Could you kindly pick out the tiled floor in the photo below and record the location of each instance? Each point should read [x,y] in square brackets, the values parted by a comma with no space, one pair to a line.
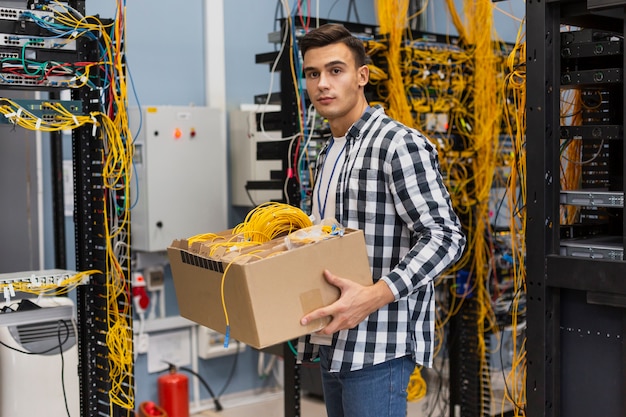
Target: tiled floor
[433,405]
[310,407]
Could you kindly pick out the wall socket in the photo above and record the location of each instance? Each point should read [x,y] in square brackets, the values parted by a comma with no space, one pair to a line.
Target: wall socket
[211,344]
[155,277]
[142,342]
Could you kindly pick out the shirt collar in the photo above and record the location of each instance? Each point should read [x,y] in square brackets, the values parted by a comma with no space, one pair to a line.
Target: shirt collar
[370,113]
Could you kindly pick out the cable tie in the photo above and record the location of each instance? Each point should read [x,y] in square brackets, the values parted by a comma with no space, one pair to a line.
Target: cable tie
[11,290]
[19,112]
[10,115]
[95,125]
[75,119]
[7,295]
[38,124]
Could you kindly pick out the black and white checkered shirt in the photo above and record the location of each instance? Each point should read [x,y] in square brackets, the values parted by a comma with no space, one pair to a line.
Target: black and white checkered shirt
[390,186]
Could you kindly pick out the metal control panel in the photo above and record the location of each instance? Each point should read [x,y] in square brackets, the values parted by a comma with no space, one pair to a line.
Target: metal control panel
[180,187]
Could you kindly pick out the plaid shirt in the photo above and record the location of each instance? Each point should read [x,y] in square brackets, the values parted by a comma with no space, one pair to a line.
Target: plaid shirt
[390,186]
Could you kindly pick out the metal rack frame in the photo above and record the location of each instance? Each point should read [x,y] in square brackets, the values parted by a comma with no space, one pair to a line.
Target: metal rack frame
[576,306]
[89,200]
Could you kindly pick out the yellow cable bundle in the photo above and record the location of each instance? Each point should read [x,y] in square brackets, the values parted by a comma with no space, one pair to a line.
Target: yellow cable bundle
[270,220]
[392,15]
[204,237]
[515,89]
[417,386]
[482,127]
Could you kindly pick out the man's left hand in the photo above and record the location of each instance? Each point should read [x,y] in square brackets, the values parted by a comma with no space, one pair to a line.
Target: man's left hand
[355,303]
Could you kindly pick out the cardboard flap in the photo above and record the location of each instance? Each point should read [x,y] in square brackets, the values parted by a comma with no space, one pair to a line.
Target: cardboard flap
[180,244]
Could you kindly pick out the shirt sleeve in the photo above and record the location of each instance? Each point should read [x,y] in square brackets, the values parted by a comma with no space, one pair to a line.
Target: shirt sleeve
[423,203]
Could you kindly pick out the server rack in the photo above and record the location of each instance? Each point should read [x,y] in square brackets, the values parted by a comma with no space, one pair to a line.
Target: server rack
[576,362]
[90,198]
[95,301]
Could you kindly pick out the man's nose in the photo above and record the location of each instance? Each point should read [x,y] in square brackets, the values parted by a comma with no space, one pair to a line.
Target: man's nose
[323,81]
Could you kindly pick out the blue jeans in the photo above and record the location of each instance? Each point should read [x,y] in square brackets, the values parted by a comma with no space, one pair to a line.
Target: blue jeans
[375,391]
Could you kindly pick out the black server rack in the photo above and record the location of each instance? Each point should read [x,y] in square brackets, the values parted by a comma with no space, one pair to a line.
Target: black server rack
[24,36]
[576,274]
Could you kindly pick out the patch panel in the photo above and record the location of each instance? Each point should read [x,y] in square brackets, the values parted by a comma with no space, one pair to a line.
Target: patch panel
[62,81]
[44,110]
[38,42]
[40,277]
[8,13]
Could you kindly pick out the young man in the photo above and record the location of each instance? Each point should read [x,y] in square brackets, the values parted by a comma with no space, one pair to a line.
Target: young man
[382,177]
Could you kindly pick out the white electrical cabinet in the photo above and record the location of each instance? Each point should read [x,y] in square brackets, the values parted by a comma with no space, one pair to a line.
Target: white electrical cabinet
[244,165]
[180,183]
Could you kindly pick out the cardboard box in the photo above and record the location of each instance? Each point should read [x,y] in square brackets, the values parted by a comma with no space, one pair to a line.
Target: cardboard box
[265,293]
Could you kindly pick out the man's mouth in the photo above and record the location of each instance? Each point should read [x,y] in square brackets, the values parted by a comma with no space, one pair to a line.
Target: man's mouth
[324,100]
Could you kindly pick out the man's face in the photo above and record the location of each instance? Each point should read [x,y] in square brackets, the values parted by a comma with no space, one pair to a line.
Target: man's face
[334,83]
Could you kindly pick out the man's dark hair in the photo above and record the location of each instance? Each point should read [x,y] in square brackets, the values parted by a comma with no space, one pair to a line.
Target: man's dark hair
[331,33]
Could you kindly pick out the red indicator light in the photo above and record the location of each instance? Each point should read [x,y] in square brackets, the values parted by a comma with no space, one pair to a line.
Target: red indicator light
[177,133]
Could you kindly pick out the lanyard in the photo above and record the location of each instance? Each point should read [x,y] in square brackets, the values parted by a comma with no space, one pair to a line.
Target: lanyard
[322,208]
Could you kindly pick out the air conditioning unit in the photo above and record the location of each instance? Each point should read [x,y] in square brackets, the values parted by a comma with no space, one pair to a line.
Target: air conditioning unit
[38,358]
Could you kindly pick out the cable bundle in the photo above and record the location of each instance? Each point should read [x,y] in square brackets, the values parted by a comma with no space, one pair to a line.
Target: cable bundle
[469,97]
[110,125]
[271,220]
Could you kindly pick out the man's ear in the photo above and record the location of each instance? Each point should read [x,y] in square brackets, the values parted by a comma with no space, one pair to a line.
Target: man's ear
[364,75]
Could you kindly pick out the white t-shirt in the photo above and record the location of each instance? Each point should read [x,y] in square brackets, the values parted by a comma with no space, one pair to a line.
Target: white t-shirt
[325,189]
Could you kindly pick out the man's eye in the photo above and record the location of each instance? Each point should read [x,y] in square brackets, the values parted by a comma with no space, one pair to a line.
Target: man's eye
[336,70]
[312,75]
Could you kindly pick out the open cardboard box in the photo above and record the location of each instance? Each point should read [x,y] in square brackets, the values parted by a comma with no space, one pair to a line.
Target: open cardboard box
[267,290]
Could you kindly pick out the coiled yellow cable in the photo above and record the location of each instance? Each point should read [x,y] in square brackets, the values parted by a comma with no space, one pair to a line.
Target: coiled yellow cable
[271,220]
[417,388]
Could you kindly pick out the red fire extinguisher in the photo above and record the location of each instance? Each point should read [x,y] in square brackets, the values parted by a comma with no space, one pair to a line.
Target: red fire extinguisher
[174,393]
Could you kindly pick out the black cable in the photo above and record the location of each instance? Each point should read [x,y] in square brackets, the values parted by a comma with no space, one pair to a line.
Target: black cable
[60,347]
[218,405]
[67,336]
[67,331]
[276,10]
[250,197]
[331,8]
[437,398]
[232,372]
[216,401]
[351,5]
